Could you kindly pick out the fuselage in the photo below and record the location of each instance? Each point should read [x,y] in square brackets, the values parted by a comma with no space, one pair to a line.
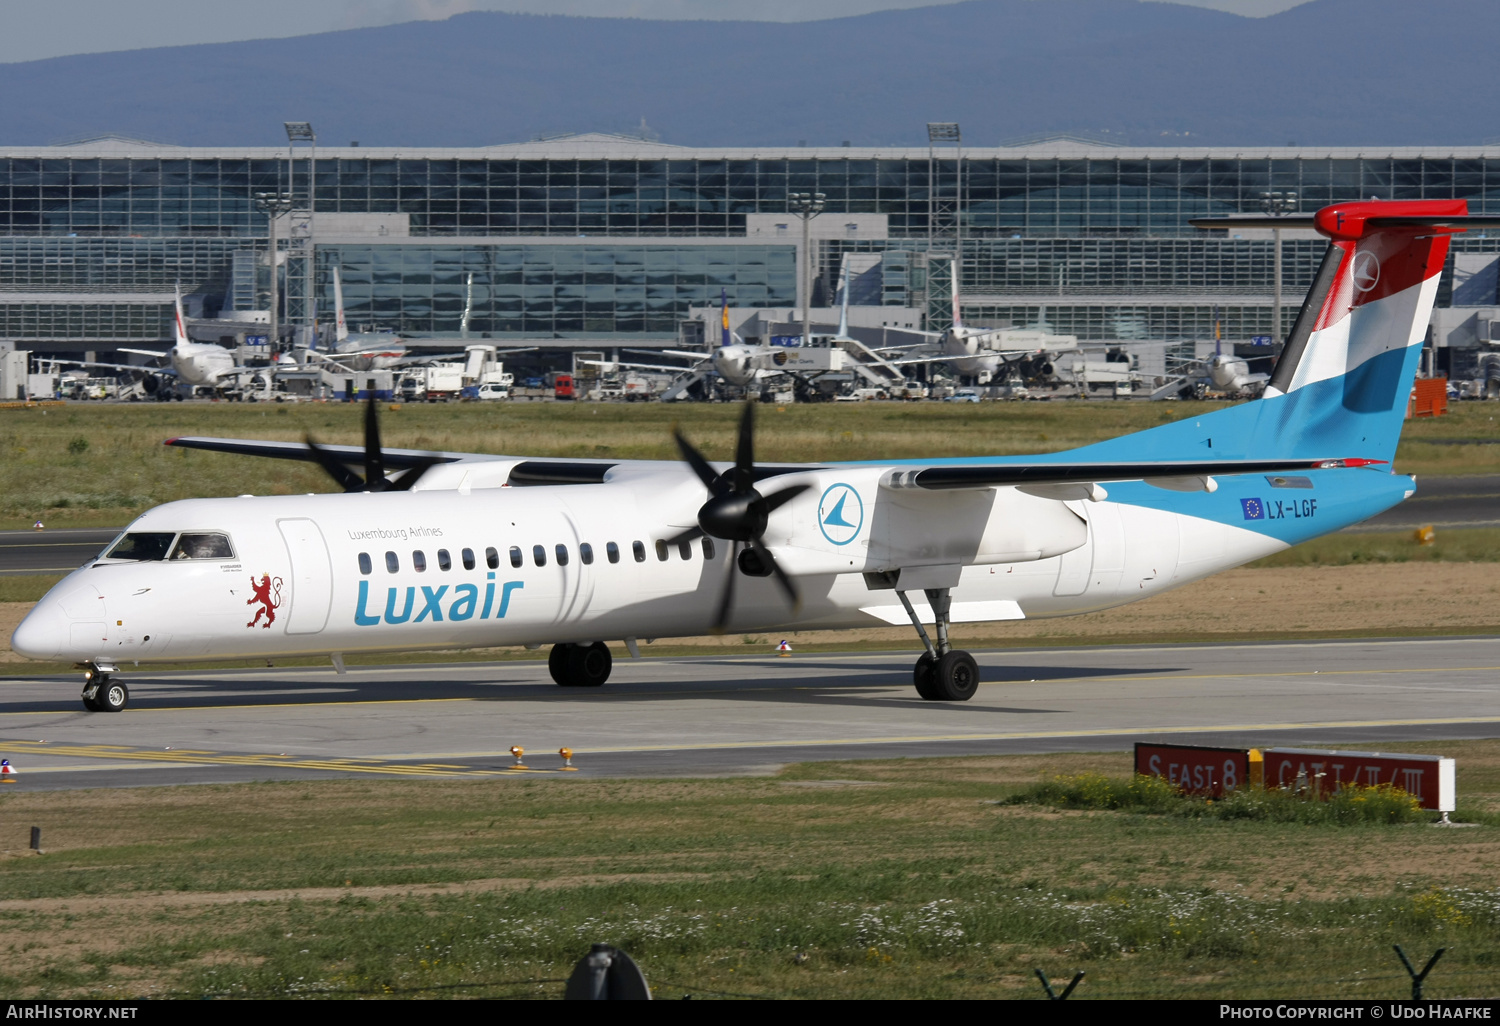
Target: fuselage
[363,351]
[450,565]
[202,363]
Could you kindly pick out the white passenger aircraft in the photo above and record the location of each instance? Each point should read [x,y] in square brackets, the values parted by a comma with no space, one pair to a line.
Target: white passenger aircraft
[448,550]
[973,352]
[736,361]
[195,363]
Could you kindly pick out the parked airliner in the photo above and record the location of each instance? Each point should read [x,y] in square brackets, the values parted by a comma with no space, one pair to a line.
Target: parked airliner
[448,550]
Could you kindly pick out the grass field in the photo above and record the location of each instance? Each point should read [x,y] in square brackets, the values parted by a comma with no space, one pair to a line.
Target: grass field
[86,464]
[866,879]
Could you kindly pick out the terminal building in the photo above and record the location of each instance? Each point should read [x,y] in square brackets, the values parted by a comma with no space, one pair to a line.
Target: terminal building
[596,241]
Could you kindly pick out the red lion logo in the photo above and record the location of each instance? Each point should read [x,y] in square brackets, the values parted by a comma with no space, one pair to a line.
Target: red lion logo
[263,594]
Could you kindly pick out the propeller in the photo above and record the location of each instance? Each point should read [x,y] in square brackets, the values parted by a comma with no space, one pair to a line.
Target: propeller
[374,479]
[737,513]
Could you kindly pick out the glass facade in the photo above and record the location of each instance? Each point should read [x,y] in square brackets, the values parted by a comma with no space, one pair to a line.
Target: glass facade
[84,322]
[704,194]
[35,263]
[643,232]
[551,291]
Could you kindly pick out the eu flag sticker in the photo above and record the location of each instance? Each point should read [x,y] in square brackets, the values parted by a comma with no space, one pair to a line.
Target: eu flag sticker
[1254,509]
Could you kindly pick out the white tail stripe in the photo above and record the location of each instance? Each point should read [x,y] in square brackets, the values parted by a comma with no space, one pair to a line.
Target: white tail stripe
[1395,322]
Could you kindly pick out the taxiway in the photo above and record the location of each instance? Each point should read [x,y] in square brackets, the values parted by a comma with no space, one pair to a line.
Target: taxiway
[740,715]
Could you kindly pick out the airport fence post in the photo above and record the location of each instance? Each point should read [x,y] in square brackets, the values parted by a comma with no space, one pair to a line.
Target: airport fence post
[1052,995]
[1417,978]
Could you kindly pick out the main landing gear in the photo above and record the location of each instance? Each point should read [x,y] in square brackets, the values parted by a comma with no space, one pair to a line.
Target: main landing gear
[100,694]
[943,673]
[580,666]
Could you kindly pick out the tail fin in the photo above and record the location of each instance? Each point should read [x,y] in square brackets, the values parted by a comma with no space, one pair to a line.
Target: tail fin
[179,323]
[463,322]
[958,321]
[340,328]
[725,337]
[1346,370]
[1340,389]
[844,310]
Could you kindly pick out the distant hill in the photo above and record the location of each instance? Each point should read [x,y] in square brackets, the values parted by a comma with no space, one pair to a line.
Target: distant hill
[1330,72]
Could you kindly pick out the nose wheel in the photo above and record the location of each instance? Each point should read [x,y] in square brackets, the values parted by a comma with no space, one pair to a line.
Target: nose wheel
[942,673]
[101,694]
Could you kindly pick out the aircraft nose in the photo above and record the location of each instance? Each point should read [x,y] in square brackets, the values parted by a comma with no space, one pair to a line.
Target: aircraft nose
[44,633]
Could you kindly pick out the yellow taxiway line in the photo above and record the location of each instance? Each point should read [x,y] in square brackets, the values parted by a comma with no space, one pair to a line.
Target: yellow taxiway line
[407,764]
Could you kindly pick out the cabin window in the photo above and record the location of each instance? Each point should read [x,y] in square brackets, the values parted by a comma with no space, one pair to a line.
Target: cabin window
[586,553]
[612,551]
[146,546]
[661,550]
[708,547]
[639,550]
[685,549]
[468,557]
[445,561]
[492,559]
[365,566]
[539,555]
[562,555]
[419,561]
[392,564]
[515,556]
[202,545]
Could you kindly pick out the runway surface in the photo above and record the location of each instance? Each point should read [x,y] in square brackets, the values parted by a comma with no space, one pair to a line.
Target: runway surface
[723,716]
[1444,502]
[51,551]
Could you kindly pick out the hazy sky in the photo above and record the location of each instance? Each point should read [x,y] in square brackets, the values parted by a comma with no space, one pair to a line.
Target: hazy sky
[35,29]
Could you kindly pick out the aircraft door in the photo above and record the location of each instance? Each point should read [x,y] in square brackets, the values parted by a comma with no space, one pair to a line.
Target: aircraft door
[311,577]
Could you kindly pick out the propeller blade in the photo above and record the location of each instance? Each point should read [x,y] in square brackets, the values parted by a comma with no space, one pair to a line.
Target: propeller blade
[764,555]
[694,458]
[744,451]
[691,534]
[726,600]
[781,498]
[405,480]
[347,479]
[374,458]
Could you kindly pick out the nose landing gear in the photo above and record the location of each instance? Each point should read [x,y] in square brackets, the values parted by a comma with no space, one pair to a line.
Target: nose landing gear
[942,673]
[100,694]
[580,666]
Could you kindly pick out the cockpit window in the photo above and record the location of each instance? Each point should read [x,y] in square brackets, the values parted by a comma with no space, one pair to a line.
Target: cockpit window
[202,545]
[142,545]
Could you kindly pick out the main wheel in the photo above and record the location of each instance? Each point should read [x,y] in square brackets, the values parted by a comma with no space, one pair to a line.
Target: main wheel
[589,665]
[112,696]
[955,678]
[557,665]
[922,676]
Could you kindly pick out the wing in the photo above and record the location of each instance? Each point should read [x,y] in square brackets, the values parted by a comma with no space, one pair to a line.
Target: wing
[394,458]
[638,366]
[1178,476]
